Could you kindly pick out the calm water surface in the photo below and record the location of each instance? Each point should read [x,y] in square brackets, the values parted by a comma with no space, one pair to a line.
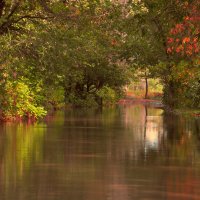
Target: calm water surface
[124,153]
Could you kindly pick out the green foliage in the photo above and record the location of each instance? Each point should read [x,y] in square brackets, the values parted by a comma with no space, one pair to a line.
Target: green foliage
[54,97]
[193,95]
[87,101]
[18,101]
[192,90]
[108,95]
[79,52]
[81,60]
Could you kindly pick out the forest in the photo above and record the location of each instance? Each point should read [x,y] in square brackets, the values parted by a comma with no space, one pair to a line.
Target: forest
[83,53]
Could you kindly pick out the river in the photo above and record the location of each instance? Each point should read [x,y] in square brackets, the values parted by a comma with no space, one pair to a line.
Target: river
[122,153]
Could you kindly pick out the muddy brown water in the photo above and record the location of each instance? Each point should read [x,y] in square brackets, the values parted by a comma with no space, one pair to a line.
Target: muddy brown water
[123,153]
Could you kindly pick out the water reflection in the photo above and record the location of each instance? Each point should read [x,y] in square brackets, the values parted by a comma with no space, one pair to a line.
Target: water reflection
[124,153]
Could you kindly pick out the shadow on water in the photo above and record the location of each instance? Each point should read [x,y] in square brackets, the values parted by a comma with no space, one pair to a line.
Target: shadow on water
[122,153]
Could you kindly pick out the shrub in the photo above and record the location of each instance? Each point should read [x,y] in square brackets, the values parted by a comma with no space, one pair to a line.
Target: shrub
[108,95]
[19,101]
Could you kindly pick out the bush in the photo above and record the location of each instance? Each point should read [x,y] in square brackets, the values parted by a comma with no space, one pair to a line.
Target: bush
[108,95]
[192,94]
[19,101]
[54,97]
[88,101]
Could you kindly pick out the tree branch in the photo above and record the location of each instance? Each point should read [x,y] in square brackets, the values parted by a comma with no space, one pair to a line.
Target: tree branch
[2,5]
[13,10]
[31,17]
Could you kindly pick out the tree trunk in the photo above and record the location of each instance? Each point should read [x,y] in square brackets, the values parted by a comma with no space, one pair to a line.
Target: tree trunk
[67,92]
[170,94]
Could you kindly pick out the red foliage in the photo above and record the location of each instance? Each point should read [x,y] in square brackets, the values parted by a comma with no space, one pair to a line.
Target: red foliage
[184,38]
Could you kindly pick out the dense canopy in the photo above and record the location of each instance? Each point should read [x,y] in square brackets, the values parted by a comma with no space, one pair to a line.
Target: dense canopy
[85,52]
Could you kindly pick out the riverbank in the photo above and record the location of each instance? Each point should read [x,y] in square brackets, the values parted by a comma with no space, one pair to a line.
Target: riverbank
[158,104]
[130,100]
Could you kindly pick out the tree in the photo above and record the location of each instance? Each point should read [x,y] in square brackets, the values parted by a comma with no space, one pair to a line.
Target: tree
[80,56]
[149,43]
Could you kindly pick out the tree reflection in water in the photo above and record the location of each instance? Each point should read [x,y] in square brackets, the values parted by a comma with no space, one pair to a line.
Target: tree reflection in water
[128,152]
